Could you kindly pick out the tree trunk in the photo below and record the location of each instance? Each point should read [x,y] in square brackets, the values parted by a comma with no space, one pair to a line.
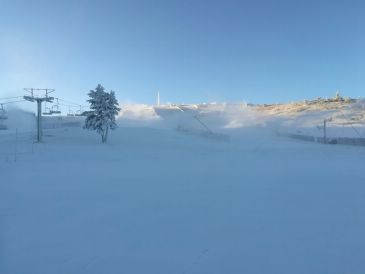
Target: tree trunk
[106,134]
[103,136]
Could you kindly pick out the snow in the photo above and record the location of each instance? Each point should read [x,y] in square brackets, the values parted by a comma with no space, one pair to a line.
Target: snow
[157,200]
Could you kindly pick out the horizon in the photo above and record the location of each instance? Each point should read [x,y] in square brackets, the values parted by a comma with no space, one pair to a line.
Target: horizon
[65,105]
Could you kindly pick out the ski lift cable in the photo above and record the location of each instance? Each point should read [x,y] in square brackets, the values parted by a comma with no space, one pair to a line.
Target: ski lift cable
[73,106]
[357,132]
[346,118]
[11,102]
[9,98]
[66,101]
[69,102]
[66,105]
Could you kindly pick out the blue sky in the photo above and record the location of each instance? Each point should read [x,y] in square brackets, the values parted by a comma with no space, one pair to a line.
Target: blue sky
[191,51]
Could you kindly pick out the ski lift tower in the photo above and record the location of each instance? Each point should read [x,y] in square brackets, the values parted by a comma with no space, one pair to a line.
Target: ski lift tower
[42,96]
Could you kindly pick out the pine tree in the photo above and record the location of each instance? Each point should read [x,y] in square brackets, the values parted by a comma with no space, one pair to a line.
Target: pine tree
[104,108]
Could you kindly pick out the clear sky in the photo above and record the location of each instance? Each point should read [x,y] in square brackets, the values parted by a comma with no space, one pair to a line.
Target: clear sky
[190,50]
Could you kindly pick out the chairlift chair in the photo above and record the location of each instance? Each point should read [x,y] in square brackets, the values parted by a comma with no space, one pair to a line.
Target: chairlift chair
[47,110]
[47,113]
[56,111]
[79,112]
[70,112]
[55,108]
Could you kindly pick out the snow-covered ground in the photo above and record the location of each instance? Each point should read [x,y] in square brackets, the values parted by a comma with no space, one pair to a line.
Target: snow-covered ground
[157,200]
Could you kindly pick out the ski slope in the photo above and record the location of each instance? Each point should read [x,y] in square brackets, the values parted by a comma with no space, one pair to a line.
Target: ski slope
[159,201]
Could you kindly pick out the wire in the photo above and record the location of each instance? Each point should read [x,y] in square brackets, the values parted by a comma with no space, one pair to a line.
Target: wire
[348,120]
[69,102]
[358,133]
[73,106]
[11,102]
[8,98]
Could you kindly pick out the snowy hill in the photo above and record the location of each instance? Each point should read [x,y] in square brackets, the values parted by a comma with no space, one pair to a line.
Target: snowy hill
[157,200]
[345,118]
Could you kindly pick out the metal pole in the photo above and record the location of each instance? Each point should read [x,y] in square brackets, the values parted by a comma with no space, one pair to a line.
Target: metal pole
[16,144]
[204,125]
[324,132]
[39,121]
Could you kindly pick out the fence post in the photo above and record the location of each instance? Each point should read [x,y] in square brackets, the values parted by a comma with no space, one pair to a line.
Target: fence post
[324,131]
[16,144]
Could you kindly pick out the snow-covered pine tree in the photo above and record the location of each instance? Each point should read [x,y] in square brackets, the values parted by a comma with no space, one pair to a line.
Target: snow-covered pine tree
[104,108]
